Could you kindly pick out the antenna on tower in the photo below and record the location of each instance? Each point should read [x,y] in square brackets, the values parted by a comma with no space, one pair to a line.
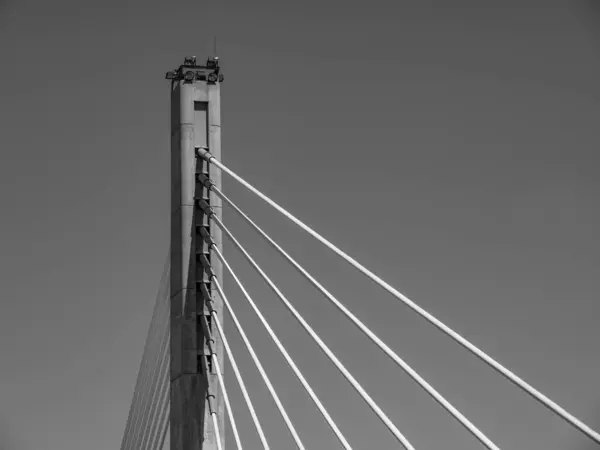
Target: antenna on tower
[213,63]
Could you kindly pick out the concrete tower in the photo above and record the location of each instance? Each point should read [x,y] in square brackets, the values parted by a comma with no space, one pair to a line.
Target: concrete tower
[195,122]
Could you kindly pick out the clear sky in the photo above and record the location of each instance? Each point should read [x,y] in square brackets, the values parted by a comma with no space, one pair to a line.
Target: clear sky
[452,147]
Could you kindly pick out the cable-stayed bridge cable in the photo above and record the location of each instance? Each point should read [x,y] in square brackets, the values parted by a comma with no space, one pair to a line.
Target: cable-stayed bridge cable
[160,443]
[282,349]
[162,324]
[156,376]
[147,409]
[157,409]
[258,364]
[133,410]
[162,418]
[137,411]
[239,379]
[215,421]
[164,434]
[146,380]
[553,406]
[365,329]
[161,377]
[145,400]
[228,407]
[357,386]
[215,362]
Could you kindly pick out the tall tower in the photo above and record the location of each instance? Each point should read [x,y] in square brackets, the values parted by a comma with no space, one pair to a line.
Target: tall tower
[195,122]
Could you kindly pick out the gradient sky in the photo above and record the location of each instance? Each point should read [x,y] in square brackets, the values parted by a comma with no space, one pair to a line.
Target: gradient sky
[452,147]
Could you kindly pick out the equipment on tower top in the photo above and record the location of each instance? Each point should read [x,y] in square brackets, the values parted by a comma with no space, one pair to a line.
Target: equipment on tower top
[189,71]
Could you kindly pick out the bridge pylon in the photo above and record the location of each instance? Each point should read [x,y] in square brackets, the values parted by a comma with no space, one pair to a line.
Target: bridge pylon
[194,388]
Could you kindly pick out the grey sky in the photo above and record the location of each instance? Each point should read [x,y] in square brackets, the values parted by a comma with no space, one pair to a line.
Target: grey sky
[452,148]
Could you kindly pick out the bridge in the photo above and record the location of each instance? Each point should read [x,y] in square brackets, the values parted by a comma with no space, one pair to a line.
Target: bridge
[181,396]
